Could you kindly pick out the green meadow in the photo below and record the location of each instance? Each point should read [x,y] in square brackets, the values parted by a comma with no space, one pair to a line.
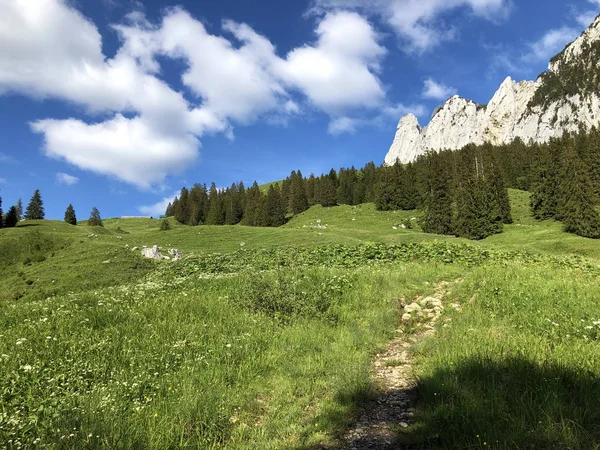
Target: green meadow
[263,338]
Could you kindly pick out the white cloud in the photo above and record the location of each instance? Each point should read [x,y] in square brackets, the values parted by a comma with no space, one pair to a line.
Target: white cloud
[343,125]
[65,178]
[437,91]
[551,43]
[401,110]
[585,18]
[154,130]
[416,21]
[159,208]
[132,150]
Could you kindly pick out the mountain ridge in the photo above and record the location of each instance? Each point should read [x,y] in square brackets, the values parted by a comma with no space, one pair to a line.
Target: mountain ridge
[564,98]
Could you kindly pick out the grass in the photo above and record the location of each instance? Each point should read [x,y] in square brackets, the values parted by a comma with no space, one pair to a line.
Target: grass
[268,344]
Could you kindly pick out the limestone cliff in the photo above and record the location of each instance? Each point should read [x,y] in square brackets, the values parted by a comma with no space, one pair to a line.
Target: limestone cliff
[561,99]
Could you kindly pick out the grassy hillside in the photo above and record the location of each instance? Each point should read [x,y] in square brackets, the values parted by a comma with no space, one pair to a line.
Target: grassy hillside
[263,338]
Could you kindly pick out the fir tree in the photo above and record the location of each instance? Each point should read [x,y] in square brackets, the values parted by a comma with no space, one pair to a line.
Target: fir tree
[35,209]
[11,218]
[578,213]
[95,220]
[253,217]
[169,210]
[70,215]
[165,225]
[310,190]
[370,178]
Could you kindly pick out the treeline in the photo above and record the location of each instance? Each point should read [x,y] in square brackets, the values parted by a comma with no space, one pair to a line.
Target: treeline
[35,211]
[462,193]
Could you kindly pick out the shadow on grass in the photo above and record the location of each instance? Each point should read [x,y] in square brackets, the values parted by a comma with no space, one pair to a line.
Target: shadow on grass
[26,225]
[514,403]
[510,404]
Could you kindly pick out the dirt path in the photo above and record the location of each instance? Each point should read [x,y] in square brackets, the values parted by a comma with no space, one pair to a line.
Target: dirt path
[392,371]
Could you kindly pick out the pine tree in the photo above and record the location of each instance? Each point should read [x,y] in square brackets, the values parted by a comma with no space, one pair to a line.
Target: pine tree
[438,204]
[578,213]
[11,218]
[70,215]
[19,209]
[274,207]
[35,209]
[95,220]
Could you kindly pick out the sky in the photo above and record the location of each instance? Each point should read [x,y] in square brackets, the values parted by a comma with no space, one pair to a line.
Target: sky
[118,104]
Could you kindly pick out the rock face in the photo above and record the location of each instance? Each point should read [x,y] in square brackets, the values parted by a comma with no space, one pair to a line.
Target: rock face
[564,98]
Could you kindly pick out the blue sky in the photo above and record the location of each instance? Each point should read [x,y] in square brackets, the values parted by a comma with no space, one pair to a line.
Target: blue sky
[118,104]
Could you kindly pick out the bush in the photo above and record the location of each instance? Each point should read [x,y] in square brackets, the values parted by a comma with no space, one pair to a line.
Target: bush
[165,225]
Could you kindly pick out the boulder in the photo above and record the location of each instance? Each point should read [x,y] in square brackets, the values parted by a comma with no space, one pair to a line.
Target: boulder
[412,307]
[152,253]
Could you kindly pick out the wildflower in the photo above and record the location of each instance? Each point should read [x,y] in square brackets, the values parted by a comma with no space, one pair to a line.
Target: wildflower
[27,368]
[228,346]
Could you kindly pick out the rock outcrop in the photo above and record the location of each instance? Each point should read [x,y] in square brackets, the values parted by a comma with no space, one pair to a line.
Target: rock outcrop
[564,98]
[154,253]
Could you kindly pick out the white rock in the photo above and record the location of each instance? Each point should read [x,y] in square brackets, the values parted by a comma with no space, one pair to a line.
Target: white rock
[460,121]
[406,318]
[152,253]
[430,302]
[134,249]
[412,307]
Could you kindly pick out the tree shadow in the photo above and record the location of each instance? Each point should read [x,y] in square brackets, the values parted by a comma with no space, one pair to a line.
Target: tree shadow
[509,404]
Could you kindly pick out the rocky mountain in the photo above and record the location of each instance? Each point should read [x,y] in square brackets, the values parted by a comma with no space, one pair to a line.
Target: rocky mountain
[561,99]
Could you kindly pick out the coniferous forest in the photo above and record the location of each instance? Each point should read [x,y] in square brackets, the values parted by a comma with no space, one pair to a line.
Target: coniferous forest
[462,193]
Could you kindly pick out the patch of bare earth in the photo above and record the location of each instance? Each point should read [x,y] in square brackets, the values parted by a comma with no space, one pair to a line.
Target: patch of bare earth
[392,372]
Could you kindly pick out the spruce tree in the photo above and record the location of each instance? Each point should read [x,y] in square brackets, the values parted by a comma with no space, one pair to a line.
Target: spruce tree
[215,207]
[182,212]
[438,204]
[578,212]
[70,215]
[298,199]
[95,220]
[544,179]
[310,190]
[370,178]
[19,209]
[169,210]
[253,216]
[499,192]
[275,211]
[11,218]
[327,194]
[35,209]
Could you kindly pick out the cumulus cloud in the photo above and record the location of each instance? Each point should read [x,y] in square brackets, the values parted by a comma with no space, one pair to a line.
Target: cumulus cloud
[65,178]
[153,130]
[437,91]
[132,150]
[585,18]
[158,208]
[416,21]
